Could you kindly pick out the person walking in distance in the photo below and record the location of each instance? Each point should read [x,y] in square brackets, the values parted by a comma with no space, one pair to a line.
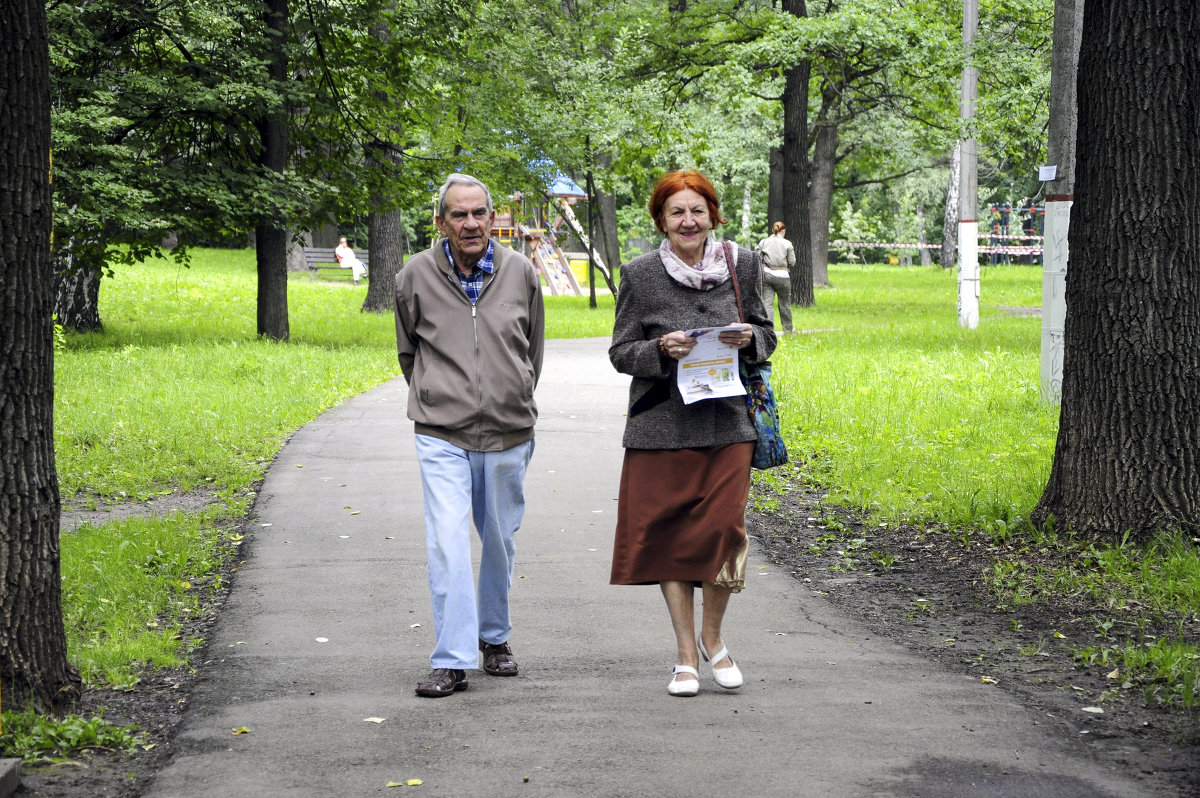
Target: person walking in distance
[470,331]
[778,256]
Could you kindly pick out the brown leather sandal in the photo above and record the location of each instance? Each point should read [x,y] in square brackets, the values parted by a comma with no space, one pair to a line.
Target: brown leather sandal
[498,659]
[442,682]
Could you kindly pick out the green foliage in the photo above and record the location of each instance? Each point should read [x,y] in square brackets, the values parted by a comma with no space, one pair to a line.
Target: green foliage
[37,739]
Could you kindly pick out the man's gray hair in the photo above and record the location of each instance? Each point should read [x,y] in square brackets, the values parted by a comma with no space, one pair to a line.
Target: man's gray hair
[459,179]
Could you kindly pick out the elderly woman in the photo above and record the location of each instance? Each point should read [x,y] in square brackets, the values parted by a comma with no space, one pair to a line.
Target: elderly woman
[686,476]
[348,260]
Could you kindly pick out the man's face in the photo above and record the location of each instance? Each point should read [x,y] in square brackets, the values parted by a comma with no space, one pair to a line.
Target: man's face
[467,223]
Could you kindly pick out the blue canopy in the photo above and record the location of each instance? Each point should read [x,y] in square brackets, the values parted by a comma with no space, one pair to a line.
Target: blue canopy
[564,186]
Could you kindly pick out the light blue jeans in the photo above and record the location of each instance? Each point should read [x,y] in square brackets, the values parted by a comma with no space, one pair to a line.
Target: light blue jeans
[459,486]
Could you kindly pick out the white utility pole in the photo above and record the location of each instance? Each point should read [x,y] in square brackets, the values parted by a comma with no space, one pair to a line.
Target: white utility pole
[968,191]
[1060,150]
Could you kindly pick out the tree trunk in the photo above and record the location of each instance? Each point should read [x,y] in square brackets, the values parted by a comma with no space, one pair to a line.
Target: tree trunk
[608,245]
[950,219]
[820,198]
[76,291]
[747,197]
[271,235]
[270,254]
[1127,459]
[775,187]
[1060,152]
[33,645]
[926,259]
[385,231]
[795,169]
[297,241]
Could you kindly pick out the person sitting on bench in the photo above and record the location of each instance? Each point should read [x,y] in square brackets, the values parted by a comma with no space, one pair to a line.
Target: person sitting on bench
[348,260]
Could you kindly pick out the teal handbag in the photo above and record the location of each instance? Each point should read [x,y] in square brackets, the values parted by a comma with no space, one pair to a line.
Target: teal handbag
[769,450]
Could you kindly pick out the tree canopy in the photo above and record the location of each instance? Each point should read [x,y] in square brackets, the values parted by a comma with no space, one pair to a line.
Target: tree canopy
[156,108]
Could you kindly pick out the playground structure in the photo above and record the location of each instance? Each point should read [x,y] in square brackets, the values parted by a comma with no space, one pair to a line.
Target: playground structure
[540,241]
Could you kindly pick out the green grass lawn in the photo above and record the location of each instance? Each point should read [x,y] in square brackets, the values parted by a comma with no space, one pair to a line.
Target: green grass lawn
[907,416]
[887,403]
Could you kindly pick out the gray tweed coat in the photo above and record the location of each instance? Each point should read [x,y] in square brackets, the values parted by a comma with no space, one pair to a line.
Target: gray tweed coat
[650,303]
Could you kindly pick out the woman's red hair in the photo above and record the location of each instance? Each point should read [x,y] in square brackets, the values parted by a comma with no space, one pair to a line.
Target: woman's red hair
[672,183]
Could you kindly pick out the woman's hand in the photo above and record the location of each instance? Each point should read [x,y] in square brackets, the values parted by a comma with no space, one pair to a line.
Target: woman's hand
[739,338]
[676,345]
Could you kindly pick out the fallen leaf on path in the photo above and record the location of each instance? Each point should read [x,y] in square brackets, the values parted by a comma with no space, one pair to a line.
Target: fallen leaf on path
[344,537]
[355,512]
[1094,710]
[1114,673]
[241,730]
[373,720]
[414,626]
[322,639]
[1060,635]
[988,680]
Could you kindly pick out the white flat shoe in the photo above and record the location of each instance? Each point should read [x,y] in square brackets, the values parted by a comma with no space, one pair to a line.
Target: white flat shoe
[688,687]
[731,677]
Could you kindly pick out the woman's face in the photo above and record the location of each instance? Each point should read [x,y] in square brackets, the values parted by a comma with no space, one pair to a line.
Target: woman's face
[687,223]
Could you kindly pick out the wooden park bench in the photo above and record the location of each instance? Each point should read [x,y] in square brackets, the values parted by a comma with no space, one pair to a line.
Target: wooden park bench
[317,258]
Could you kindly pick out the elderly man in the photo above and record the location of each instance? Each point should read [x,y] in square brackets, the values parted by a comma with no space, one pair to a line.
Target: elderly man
[470,331]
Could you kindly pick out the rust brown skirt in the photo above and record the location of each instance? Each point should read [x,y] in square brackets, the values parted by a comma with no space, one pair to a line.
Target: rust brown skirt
[681,516]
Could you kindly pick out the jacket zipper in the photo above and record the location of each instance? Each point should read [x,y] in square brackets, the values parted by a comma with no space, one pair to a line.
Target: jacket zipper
[475,333]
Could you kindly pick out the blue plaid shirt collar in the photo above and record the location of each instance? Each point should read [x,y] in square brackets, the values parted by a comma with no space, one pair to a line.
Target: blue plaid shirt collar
[472,284]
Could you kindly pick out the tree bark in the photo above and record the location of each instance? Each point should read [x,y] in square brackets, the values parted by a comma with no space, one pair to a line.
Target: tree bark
[926,259]
[950,217]
[1060,152]
[607,242]
[297,241]
[775,187]
[820,198]
[271,234]
[76,291]
[385,231]
[796,169]
[1127,459]
[33,646]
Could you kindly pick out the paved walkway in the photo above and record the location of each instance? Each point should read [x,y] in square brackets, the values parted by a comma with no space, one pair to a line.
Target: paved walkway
[329,625]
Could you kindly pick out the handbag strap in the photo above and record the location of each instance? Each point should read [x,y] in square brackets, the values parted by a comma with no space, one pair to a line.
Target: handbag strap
[737,294]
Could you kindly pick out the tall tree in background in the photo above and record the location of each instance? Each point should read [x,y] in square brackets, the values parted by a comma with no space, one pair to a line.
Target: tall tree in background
[794,157]
[1060,152]
[1127,459]
[33,643]
[271,235]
